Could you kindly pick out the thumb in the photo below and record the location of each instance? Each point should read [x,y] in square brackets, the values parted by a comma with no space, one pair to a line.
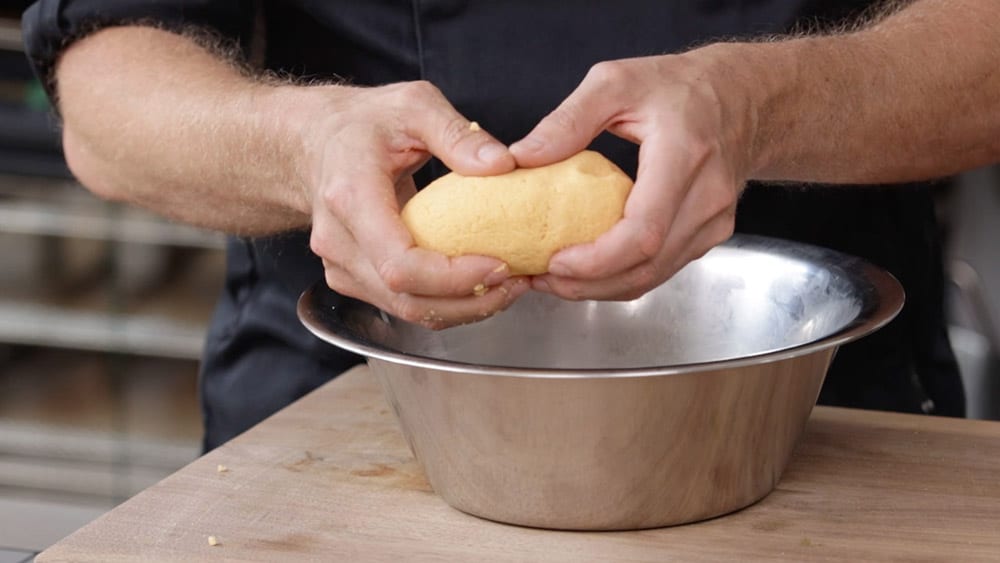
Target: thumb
[569,128]
[462,145]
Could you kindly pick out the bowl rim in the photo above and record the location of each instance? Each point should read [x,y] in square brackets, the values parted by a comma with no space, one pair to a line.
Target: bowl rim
[881,303]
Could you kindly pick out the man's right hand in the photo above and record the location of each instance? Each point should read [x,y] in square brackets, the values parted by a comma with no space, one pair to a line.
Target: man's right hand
[361,147]
[174,123]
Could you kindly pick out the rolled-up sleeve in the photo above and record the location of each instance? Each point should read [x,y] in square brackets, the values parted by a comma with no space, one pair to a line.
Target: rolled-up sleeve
[49,26]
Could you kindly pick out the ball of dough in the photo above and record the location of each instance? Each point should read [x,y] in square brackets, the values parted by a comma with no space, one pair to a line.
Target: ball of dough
[522,217]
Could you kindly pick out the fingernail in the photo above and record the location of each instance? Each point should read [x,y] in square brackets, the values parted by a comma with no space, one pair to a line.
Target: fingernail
[528,144]
[541,285]
[491,152]
[498,274]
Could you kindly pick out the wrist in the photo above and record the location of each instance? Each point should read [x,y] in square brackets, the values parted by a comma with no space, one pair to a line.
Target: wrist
[286,118]
[748,87]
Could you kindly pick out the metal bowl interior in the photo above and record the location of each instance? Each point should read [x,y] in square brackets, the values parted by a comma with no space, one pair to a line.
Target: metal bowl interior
[752,299]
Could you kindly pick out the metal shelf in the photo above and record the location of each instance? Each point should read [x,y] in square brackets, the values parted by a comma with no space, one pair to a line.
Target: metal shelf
[10,35]
[43,206]
[38,206]
[42,325]
[80,432]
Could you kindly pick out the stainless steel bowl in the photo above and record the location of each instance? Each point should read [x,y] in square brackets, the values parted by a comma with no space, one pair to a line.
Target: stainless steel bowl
[678,406]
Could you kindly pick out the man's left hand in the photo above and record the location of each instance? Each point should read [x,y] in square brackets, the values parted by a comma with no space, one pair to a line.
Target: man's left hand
[693,162]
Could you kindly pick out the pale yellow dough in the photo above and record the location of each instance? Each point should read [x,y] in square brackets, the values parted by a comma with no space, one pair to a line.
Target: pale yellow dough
[522,217]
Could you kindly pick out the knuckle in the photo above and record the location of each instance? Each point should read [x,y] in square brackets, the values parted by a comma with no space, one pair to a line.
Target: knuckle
[698,254]
[332,280]
[317,243]
[699,149]
[404,307]
[323,244]
[418,90]
[609,74]
[337,200]
[455,131]
[717,233]
[649,240]
[719,203]
[338,281]
[726,228]
[572,292]
[565,118]
[393,275]
[644,278]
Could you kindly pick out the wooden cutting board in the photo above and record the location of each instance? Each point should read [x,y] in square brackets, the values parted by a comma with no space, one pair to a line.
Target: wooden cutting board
[330,478]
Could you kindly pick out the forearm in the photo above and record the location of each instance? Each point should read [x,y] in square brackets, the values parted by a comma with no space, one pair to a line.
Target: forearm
[913,97]
[152,118]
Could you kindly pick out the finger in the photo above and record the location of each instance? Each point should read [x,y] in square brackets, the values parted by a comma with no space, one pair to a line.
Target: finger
[465,148]
[637,281]
[439,313]
[364,201]
[361,196]
[431,312]
[667,168]
[570,128]
[434,312]
[340,280]
[423,272]
[334,244]
[706,218]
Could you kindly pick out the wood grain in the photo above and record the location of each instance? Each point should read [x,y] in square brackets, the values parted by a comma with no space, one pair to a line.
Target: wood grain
[330,478]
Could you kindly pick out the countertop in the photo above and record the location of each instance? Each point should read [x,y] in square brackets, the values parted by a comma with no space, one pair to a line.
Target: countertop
[330,478]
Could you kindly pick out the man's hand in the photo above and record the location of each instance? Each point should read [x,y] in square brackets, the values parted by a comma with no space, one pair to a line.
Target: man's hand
[176,123]
[908,96]
[362,150]
[693,161]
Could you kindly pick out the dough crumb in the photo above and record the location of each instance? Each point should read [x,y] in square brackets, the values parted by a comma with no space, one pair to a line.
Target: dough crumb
[213,541]
[479,290]
[221,468]
[474,126]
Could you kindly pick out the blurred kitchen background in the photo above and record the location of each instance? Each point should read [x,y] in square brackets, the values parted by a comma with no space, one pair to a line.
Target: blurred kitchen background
[103,309]
[102,314]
